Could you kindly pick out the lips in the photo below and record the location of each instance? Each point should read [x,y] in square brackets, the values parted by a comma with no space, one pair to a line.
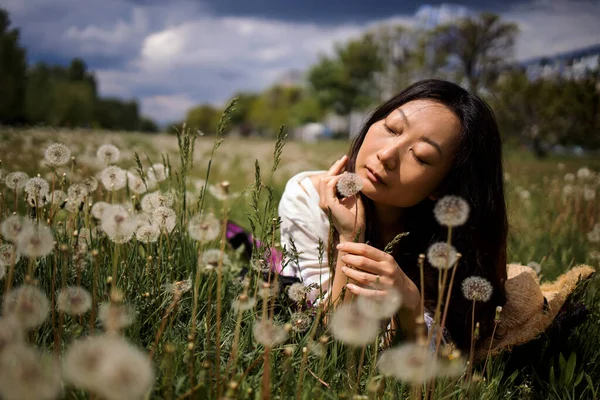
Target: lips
[374,176]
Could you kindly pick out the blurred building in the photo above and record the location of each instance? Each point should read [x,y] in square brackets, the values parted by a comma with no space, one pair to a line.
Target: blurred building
[575,64]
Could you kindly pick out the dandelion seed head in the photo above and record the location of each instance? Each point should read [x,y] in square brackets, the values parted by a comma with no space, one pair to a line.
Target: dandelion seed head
[74,300]
[37,190]
[410,362]
[349,184]
[569,177]
[115,317]
[11,332]
[535,266]
[91,184]
[180,286]
[351,327]
[158,172]
[147,234]
[221,192]
[98,209]
[153,200]
[12,226]
[589,194]
[210,258]
[476,288]
[164,218]
[117,224]
[108,154]
[204,227]
[595,255]
[297,292]
[584,173]
[451,211]
[381,307]
[439,253]
[57,154]
[35,241]
[16,180]
[243,303]
[8,255]
[113,178]
[300,321]
[26,374]
[76,193]
[593,236]
[268,334]
[57,197]
[135,183]
[83,361]
[28,305]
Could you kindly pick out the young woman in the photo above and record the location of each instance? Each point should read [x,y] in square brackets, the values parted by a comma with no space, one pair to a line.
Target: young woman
[432,139]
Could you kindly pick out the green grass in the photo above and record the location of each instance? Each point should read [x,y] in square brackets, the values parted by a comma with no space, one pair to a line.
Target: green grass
[546,228]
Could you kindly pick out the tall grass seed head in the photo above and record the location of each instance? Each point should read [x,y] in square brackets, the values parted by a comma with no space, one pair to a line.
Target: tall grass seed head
[113,178]
[28,305]
[268,334]
[477,288]
[35,241]
[204,227]
[57,154]
[27,374]
[451,211]
[381,307]
[351,327]
[164,218]
[8,255]
[147,234]
[349,184]
[16,180]
[74,300]
[442,256]
[108,154]
[409,362]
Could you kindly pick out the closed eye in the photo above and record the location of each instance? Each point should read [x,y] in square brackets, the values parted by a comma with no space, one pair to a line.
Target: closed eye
[417,158]
[389,130]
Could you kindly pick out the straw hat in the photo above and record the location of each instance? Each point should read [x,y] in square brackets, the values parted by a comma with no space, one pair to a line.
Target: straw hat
[530,307]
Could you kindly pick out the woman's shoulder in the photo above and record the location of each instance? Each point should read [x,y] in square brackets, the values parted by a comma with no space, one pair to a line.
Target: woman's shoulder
[303,184]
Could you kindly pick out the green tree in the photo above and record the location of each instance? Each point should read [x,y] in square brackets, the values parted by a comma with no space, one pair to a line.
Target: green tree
[347,81]
[13,70]
[479,44]
[116,114]
[204,118]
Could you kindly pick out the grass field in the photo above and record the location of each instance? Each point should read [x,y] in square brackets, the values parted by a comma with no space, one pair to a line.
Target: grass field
[154,338]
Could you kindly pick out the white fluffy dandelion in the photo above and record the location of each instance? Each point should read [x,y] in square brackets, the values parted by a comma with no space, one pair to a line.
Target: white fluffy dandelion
[476,288]
[584,173]
[410,362]
[115,317]
[11,332]
[221,192]
[441,256]
[268,334]
[108,154]
[569,177]
[351,327]
[147,234]
[12,226]
[74,300]
[204,227]
[349,184]
[180,286]
[164,218]
[28,305]
[35,241]
[300,321]
[37,191]
[27,374]
[451,211]
[77,193]
[83,361]
[98,209]
[57,154]
[593,236]
[91,184]
[210,258]
[158,172]
[153,200]
[589,193]
[243,303]
[57,197]
[384,306]
[16,180]
[113,178]
[117,224]
[135,183]
[8,255]
[297,292]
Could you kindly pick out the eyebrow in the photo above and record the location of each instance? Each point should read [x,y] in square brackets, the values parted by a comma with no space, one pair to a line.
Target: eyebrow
[431,142]
[404,117]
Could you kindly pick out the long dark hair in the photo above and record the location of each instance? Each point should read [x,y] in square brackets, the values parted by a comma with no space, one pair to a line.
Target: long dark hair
[476,176]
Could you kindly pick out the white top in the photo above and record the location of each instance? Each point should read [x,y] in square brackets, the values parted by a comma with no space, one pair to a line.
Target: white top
[303,220]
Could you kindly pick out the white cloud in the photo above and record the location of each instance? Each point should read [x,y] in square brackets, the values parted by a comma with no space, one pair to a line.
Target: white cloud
[166,107]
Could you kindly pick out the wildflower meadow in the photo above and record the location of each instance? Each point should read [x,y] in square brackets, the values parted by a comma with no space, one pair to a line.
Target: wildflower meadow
[118,279]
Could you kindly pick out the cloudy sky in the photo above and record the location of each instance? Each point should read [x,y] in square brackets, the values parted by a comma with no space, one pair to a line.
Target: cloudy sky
[172,55]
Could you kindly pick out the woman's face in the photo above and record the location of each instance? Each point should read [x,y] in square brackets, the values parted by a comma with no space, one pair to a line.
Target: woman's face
[405,156]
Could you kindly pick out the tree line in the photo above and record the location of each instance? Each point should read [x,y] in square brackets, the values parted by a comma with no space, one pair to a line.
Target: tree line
[56,95]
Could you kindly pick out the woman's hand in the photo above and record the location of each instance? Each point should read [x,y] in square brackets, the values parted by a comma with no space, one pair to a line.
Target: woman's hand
[375,271]
[348,213]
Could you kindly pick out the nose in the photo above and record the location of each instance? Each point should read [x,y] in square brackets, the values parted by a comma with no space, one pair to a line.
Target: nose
[388,155]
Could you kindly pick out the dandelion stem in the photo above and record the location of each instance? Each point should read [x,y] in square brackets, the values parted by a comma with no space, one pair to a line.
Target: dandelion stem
[219,288]
[165,318]
[487,358]
[192,335]
[470,367]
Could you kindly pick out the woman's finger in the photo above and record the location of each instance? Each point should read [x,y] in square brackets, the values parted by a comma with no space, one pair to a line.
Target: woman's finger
[365,264]
[337,166]
[366,278]
[363,249]
[367,292]
[327,191]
